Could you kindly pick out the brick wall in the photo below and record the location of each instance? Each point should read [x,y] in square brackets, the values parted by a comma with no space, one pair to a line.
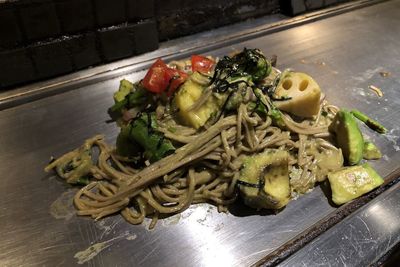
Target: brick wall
[296,7]
[40,39]
[184,17]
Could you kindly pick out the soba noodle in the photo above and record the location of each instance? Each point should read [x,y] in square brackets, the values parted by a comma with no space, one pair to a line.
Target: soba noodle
[205,168]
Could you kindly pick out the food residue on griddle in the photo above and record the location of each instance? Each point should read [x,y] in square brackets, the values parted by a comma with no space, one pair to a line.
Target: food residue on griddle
[385,74]
[376,90]
[63,206]
[92,251]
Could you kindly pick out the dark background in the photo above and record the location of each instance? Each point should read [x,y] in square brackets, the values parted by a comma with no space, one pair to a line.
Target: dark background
[40,39]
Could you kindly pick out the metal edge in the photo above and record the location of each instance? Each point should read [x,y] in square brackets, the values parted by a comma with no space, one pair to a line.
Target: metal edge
[295,244]
[391,258]
[65,83]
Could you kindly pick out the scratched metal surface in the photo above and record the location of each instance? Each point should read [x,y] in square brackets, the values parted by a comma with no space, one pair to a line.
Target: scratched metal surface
[344,53]
[358,240]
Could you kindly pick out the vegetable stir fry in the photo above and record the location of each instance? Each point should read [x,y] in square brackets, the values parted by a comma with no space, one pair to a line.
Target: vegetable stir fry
[215,130]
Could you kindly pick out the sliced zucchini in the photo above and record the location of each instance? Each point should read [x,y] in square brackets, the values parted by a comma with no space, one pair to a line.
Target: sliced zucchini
[264,180]
[351,182]
[189,93]
[348,136]
[125,87]
[371,151]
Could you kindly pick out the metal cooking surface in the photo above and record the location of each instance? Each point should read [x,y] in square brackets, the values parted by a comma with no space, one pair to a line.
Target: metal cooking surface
[344,53]
[359,240]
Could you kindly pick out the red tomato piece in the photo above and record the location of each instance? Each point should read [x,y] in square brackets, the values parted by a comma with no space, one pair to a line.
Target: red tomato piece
[157,78]
[201,64]
[160,78]
[177,78]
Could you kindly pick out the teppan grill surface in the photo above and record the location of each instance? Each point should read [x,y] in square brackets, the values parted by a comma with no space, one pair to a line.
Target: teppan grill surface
[344,48]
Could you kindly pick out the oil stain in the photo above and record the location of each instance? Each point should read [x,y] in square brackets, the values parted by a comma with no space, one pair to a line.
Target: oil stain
[63,206]
[93,250]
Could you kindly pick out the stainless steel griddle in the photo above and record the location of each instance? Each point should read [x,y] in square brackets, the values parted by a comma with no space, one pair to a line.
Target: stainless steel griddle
[344,49]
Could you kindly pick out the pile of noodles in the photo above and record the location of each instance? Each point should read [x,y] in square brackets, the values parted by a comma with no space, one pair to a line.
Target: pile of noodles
[205,167]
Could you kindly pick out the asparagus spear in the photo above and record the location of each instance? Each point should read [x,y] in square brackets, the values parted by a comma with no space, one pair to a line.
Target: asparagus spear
[373,124]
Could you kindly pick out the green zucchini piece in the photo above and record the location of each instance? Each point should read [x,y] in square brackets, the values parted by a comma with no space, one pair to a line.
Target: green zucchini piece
[264,180]
[349,183]
[371,151]
[348,136]
[125,87]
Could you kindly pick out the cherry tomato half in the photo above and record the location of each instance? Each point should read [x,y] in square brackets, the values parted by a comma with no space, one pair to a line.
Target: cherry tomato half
[201,64]
[160,78]
[157,78]
[177,78]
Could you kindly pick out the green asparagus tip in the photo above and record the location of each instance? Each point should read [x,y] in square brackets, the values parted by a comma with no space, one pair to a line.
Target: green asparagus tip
[372,124]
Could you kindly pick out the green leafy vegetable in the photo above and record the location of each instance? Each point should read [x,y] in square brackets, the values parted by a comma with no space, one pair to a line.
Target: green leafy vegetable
[249,66]
[83,180]
[259,108]
[137,97]
[143,131]
[276,116]
[117,107]
[127,146]
[273,112]
[128,98]
[254,63]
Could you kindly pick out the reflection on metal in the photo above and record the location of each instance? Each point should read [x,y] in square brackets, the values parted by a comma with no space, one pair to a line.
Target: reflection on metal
[391,221]
[215,253]
[359,240]
[324,224]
